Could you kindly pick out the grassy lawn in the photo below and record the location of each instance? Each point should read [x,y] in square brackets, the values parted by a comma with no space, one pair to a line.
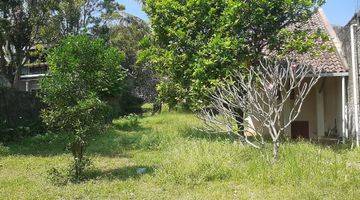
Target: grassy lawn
[180,163]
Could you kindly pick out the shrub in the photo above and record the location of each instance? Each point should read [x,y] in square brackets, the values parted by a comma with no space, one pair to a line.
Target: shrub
[84,74]
[19,115]
[125,104]
[4,151]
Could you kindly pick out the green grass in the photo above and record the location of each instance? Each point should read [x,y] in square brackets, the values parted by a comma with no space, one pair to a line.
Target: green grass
[181,163]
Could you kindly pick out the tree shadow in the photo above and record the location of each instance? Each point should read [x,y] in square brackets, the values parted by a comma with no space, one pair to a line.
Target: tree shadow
[196,133]
[129,123]
[124,173]
[129,127]
[116,142]
[121,136]
[41,145]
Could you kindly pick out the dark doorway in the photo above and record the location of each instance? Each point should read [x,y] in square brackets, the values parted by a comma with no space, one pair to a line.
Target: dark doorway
[300,129]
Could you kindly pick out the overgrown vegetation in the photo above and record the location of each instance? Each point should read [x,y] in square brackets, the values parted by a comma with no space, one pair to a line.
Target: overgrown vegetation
[192,46]
[180,162]
[19,116]
[26,23]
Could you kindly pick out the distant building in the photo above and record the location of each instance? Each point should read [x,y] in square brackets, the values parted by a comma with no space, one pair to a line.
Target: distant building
[30,76]
[32,72]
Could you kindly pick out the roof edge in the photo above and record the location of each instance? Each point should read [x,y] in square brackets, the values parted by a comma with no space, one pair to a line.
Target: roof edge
[334,38]
[354,17]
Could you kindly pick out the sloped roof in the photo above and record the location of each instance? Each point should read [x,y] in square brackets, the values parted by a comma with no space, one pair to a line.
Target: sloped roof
[327,61]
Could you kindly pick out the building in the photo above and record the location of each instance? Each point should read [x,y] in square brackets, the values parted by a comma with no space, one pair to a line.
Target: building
[328,111]
[33,71]
[324,112]
[30,76]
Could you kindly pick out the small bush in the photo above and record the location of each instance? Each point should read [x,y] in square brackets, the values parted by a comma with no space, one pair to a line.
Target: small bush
[85,74]
[24,129]
[4,151]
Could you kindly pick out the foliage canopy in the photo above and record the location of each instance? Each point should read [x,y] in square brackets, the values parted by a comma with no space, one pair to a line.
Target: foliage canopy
[195,44]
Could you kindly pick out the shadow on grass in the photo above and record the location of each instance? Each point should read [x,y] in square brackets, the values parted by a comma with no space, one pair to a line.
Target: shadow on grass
[129,127]
[40,145]
[117,139]
[123,173]
[335,145]
[129,123]
[196,133]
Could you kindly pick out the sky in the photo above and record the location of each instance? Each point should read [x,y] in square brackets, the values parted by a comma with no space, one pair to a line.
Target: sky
[339,12]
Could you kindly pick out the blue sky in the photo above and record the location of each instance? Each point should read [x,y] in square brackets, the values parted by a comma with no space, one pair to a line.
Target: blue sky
[339,12]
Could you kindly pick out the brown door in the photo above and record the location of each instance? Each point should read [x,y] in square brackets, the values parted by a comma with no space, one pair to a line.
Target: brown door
[300,129]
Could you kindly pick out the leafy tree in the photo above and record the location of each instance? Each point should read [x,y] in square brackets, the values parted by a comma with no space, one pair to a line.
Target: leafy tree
[17,19]
[195,44]
[73,17]
[26,23]
[126,36]
[84,74]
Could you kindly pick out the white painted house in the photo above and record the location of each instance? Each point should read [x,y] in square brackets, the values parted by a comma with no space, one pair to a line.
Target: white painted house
[329,110]
[324,112]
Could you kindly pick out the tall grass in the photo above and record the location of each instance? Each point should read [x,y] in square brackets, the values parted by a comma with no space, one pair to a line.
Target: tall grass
[179,162]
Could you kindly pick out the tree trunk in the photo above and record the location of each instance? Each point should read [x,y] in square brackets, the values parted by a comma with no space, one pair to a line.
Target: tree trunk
[77,149]
[19,57]
[5,69]
[157,107]
[240,121]
[276,150]
[2,61]
[16,80]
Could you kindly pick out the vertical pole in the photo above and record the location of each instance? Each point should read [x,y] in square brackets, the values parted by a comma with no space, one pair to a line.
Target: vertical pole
[344,128]
[27,86]
[320,110]
[355,83]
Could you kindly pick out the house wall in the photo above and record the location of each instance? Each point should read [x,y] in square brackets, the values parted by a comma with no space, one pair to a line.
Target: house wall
[332,104]
[32,85]
[308,113]
[331,89]
[332,118]
[344,36]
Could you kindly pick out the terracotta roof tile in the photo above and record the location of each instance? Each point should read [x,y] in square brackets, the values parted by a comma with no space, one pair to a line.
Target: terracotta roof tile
[329,61]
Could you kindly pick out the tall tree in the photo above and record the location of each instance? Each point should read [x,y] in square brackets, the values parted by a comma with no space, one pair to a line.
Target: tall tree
[195,44]
[73,17]
[126,34]
[24,23]
[16,28]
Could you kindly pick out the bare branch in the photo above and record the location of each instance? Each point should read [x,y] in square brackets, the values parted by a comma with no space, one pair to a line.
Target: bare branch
[262,94]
